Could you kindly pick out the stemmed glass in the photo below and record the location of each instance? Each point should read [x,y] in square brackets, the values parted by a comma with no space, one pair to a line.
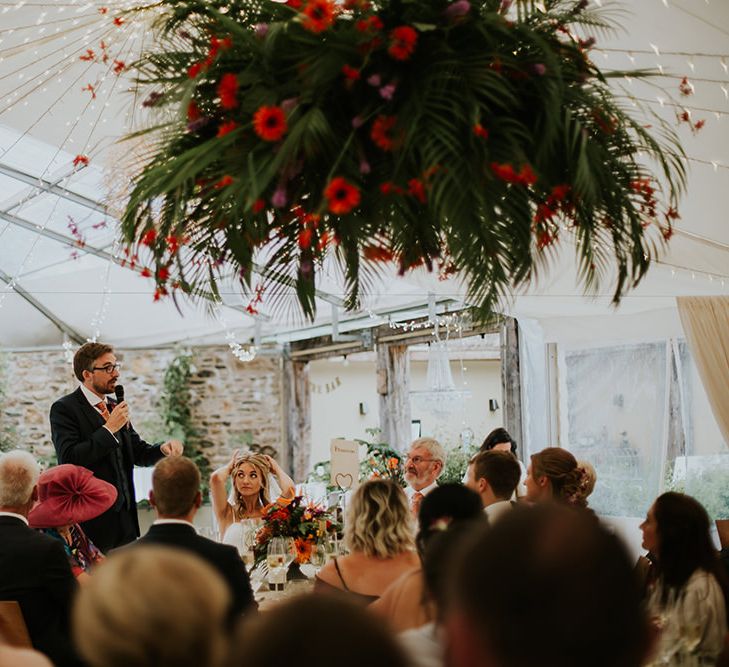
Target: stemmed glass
[278,558]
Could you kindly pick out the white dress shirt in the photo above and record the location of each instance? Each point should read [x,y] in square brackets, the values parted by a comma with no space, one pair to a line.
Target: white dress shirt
[495,510]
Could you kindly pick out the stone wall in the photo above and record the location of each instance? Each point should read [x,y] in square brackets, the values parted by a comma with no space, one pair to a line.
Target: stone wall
[232,402]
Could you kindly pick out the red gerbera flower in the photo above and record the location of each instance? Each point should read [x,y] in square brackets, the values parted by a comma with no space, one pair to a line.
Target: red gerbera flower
[269,123]
[80,160]
[193,112]
[228,91]
[381,132]
[417,189]
[342,196]
[150,236]
[163,274]
[258,205]
[350,73]
[319,15]
[402,42]
[224,182]
[194,70]
[480,131]
[226,128]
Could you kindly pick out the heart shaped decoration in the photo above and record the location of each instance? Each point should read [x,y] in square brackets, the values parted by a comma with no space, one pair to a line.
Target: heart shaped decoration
[343,480]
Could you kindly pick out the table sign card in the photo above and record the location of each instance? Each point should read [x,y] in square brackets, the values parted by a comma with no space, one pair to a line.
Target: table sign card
[345,464]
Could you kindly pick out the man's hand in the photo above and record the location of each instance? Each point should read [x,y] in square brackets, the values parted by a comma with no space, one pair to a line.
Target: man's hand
[172,448]
[118,418]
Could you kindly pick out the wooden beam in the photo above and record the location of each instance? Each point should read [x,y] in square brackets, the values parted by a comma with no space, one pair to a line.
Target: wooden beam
[393,386]
[511,382]
[297,417]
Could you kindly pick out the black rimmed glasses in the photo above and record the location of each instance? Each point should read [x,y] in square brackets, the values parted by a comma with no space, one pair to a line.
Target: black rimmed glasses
[108,368]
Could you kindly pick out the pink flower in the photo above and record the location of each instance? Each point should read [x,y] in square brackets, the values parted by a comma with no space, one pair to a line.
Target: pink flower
[260,29]
[357,121]
[387,92]
[364,167]
[457,9]
[374,80]
[279,197]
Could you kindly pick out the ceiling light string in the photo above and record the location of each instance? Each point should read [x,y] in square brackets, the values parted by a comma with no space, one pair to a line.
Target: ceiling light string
[100,316]
[245,354]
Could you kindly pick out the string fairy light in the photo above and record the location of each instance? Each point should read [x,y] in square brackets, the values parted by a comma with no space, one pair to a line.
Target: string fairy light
[245,354]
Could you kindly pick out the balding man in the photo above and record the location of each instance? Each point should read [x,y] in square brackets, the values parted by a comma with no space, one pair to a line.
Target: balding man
[34,570]
[176,497]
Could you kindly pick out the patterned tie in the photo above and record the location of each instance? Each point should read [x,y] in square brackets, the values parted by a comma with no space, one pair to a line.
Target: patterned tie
[101,407]
[415,503]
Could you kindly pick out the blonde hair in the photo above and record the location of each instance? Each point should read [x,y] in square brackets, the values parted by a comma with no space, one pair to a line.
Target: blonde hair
[152,607]
[379,522]
[19,473]
[571,482]
[259,462]
[432,446]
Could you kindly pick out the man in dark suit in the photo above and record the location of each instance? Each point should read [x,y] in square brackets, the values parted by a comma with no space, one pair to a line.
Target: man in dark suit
[34,569]
[176,497]
[90,431]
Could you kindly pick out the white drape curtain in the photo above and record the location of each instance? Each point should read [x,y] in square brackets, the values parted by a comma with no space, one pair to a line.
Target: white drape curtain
[705,321]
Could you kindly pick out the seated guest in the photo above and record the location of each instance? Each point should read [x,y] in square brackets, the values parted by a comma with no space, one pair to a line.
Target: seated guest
[406,603]
[10,656]
[494,475]
[378,531]
[239,515]
[423,465]
[176,497]
[34,569]
[152,607]
[555,474]
[426,645]
[548,586]
[67,496]
[315,630]
[690,592]
[499,440]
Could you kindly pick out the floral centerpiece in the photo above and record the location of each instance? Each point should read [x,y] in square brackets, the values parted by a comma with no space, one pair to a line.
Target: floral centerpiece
[464,136]
[307,524]
[381,462]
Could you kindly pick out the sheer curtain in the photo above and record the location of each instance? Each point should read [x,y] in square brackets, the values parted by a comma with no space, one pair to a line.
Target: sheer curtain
[705,321]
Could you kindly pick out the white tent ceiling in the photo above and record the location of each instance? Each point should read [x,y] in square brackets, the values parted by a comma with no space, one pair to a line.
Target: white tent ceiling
[60,269]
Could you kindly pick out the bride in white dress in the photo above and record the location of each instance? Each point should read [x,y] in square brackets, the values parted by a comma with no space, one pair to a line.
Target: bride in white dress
[239,515]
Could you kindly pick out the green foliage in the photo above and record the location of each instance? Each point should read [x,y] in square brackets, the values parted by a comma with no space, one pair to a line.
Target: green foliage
[505,134]
[710,486]
[176,414]
[456,464]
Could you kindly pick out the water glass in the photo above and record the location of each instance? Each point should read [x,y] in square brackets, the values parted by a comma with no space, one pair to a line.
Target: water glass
[277,559]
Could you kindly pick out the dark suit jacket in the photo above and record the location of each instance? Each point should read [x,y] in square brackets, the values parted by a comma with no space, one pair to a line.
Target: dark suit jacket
[34,570]
[79,436]
[223,558]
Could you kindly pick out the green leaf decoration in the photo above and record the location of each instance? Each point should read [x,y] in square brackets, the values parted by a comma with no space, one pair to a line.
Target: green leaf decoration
[467,137]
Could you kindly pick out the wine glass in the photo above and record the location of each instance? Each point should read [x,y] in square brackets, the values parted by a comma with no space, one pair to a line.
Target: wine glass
[276,559]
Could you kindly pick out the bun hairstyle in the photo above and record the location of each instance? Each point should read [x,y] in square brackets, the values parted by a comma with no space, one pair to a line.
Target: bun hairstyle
[572,482]
[259,462]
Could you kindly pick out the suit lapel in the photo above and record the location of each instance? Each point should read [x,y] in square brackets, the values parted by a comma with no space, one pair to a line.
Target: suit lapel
[91,413]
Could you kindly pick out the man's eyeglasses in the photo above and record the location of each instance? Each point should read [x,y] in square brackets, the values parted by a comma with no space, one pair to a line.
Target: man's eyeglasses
[417,460]
[107,368]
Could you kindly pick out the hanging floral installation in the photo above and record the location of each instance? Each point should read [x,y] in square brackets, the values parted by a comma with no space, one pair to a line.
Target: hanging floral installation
[467,137]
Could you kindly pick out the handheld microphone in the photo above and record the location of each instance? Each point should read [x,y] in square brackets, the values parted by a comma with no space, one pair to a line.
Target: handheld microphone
[119,393]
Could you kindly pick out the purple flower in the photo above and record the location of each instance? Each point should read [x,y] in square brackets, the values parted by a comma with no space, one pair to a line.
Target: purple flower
[457,9]
[374,80]
[364,167]
[539,69]
[279,197]
[261,29]
[357,122]
[386,92]
[288,104]
[195,125]
[153,99]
